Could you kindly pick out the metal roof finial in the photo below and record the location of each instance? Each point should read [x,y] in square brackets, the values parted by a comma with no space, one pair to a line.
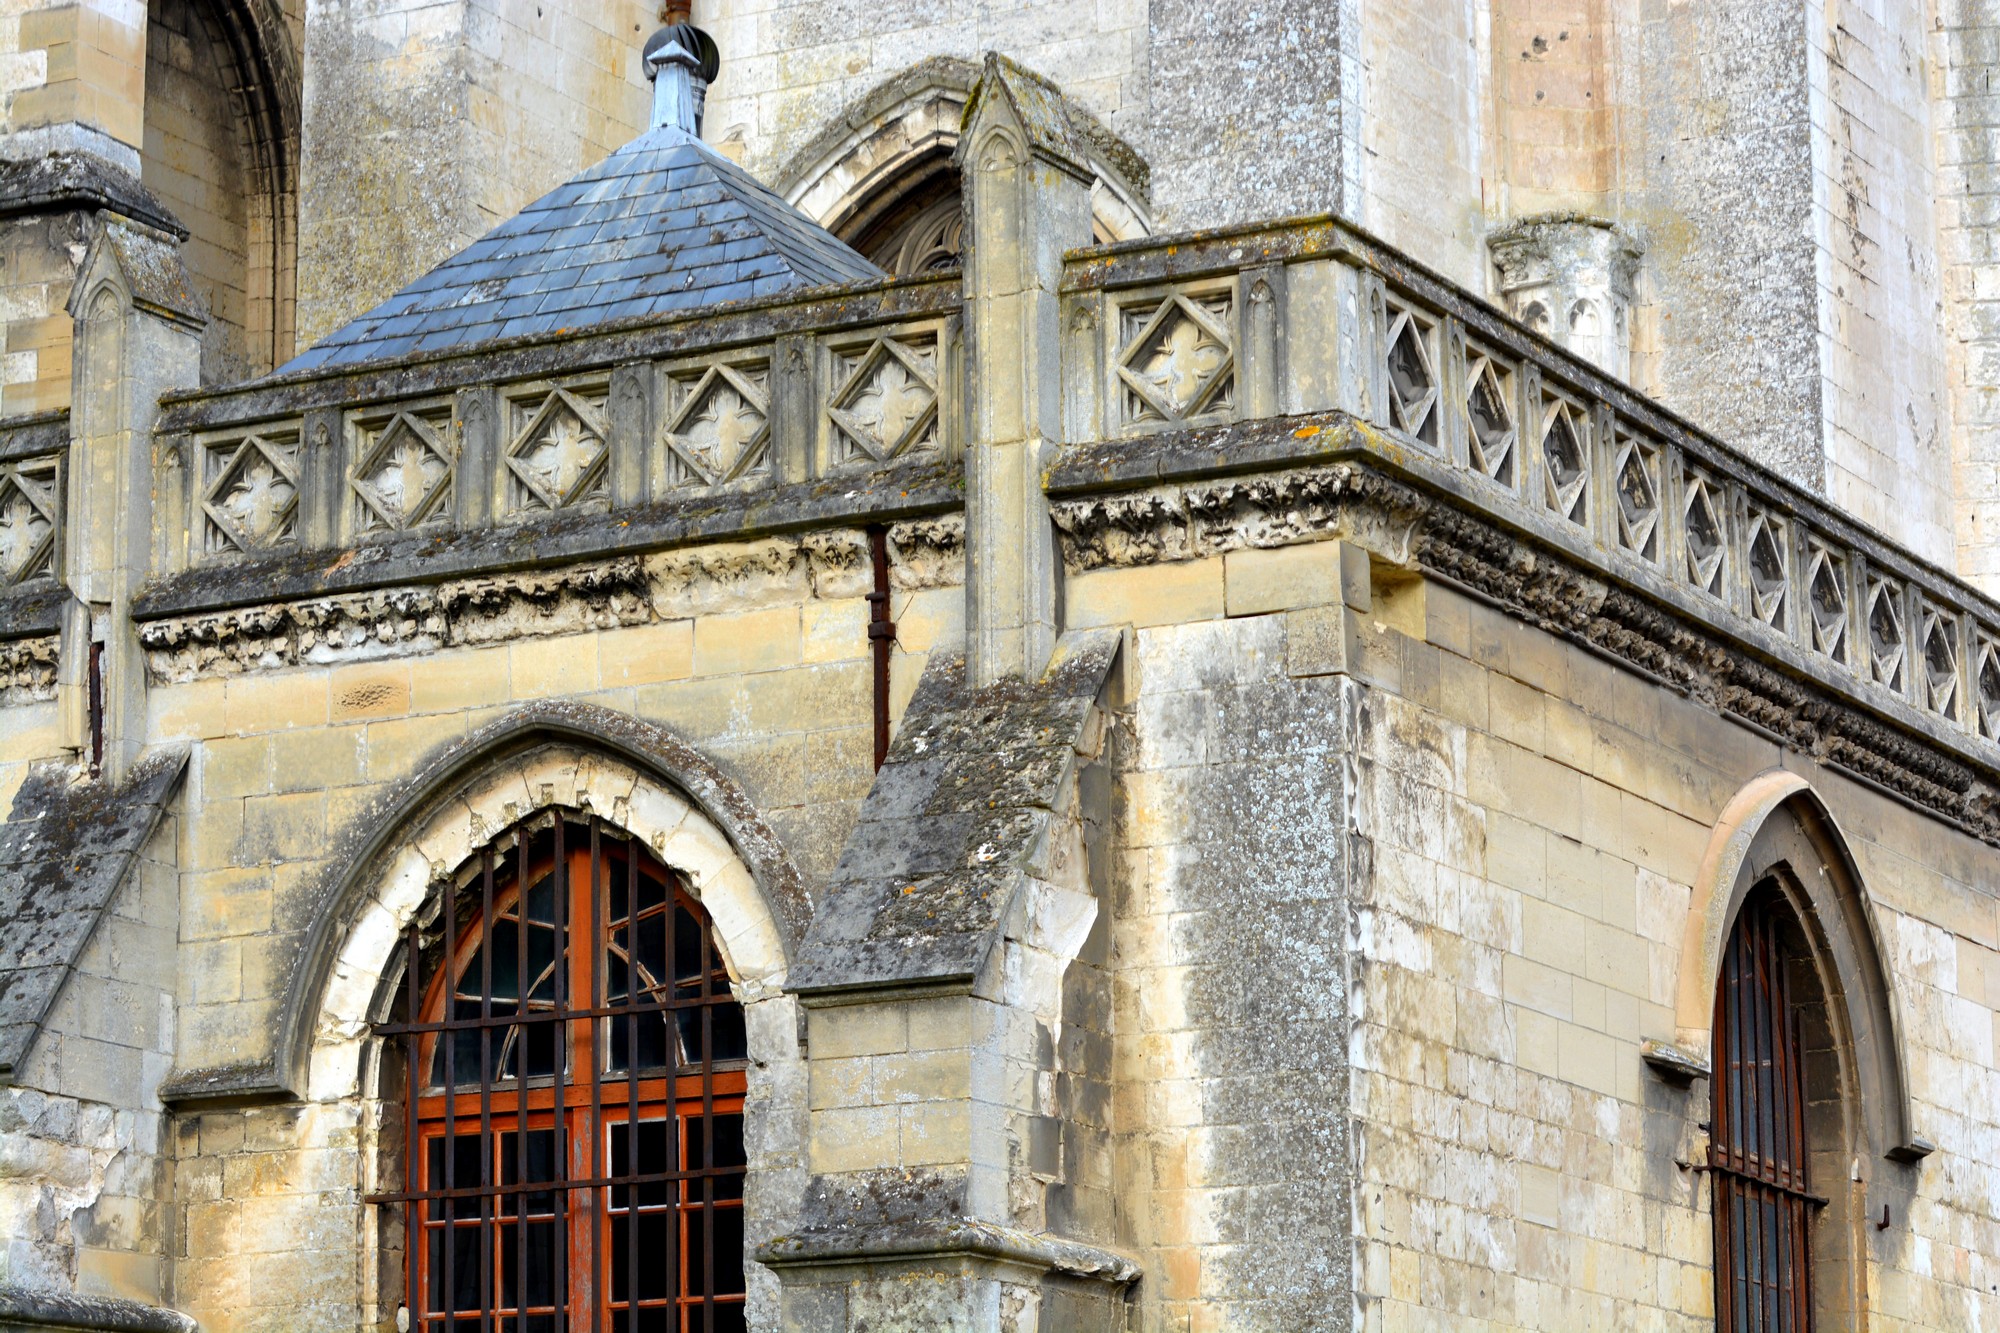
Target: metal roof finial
[682,61]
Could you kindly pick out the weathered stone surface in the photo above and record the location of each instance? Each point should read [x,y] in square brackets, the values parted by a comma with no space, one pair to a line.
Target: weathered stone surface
[65,850]
[933,867]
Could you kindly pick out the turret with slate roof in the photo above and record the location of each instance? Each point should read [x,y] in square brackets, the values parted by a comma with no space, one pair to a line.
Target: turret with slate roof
[664,225]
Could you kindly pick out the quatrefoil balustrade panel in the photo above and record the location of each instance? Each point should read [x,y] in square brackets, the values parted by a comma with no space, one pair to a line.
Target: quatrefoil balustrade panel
[717,423]
[1938,654]
[249,489]
[883,395]
[405,468]
[30,508]
[1704,531]
[1888,637]
[1986,684]
[1174,358]
[558,452]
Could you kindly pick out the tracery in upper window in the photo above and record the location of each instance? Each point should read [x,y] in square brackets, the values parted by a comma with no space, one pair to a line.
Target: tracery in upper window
[575,1138]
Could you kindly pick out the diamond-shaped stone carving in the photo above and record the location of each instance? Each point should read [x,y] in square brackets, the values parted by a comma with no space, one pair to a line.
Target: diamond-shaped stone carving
[1489,414]
[1887,646]
[1413,380]
[887,402]
[1826,600]
[559,459]
[1765,562]
[1638,494]
[1988,684]
[252,492]
[721,431]
[27,520]
[405,476]
[1179,360]
[1704,537]
[1939,644]
[1565,466]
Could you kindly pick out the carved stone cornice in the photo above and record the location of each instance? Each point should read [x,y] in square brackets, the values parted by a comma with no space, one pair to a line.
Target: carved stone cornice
[28,670]
[1358,501]
[567,599]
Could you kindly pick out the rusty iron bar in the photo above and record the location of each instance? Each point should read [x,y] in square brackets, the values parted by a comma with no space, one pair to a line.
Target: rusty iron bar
[440,1207]
[881,635]
[96,706]
[1758,1153]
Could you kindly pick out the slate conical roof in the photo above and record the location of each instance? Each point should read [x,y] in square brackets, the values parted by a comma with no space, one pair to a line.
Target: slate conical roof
[665,224]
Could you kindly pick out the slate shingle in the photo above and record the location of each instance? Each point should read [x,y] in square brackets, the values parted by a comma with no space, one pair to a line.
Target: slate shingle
[665,224]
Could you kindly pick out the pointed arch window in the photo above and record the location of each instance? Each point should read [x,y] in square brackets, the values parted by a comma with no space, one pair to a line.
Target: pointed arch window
[1764,1208]
[575,1065]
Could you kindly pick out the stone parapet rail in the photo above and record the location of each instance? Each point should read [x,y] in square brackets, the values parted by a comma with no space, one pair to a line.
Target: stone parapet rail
[526,435]
[1166,337]
[33,453]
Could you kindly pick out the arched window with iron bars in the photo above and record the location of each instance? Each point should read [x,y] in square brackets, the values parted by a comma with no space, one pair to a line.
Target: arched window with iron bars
[575,1067]
[1764,1208]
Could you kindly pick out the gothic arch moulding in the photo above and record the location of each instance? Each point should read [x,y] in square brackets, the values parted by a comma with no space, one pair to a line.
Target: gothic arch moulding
[1777,826]
[882,178]
[634,776]
[223,114]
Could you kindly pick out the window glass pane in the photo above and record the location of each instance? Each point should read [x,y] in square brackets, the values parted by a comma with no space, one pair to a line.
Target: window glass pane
[464,1262]
[656,1256]
[656,1155]
[544,1264]
[541,1165]
[728,1229]
[651,1030]
[725,1318]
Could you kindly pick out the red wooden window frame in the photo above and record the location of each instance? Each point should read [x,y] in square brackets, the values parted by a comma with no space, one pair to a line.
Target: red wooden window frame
[580,1197]
[1763,1206]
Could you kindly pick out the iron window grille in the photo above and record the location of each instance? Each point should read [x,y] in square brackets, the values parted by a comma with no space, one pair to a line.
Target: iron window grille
[574,1115]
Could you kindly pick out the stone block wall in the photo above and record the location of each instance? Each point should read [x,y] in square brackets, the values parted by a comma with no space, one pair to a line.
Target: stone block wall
[765,670]
[72,77]
[86,1158]
[1960,56]
[38,260]
[1533,819]
[1228,941]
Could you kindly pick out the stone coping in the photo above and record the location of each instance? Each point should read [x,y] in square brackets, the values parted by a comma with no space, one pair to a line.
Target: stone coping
[34,435]
[933,1238]
[595,347]
[913,488]
[37,1311]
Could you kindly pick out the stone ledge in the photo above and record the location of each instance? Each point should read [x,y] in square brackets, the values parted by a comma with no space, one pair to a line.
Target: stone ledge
[911,490]
[1347,479]
[62,182]
[34,434]
[957,1237]
[38,1311]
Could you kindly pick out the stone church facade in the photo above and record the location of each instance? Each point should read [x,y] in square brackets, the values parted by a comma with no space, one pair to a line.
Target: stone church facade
[1136,666]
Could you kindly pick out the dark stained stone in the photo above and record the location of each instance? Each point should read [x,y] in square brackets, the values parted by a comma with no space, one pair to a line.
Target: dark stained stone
[64,852]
